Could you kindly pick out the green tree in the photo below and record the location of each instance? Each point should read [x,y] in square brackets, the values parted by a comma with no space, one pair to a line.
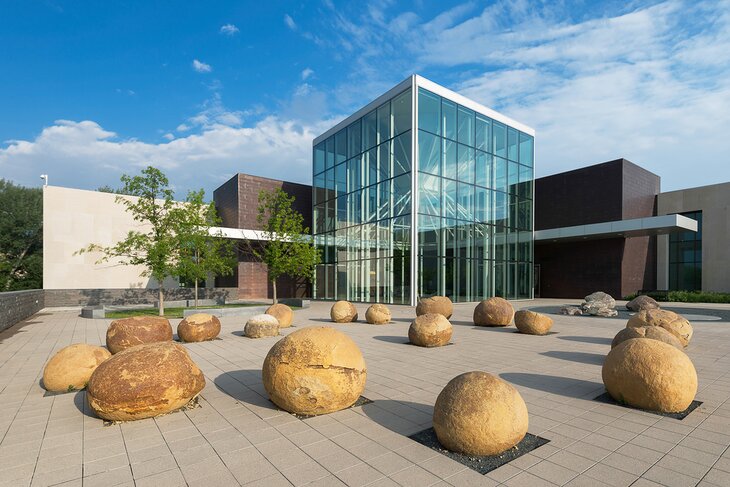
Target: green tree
[154,249]
[201,253]
[21,237]
[287,247]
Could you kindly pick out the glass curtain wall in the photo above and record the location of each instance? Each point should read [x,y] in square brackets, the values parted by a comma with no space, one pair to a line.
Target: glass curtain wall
[685,257]
[362,207]
[475,189]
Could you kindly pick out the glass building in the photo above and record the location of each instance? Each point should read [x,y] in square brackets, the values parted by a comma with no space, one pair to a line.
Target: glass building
[423,192]
[685,257]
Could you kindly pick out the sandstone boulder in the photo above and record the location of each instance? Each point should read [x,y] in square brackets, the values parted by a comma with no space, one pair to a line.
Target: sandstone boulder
[315,370]
[137,330]
[260,326]
[435,304]
[71,367]
[650,374]
[532,323]
[640,303]
[494,312]
[650,332]
[343,312]
[479,414]
[377,314]
[430,330]
[283,313]
[571,311]
[676,324]
[199,327]
[144,381]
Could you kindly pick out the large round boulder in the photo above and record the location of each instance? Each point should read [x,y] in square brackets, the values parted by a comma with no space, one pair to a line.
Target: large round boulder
[675,324]
[144,381]
[315,370]
[640,303]
[260,326]
[71,367]
[377,314]
[479,414]
[283,313]
[435,304]
[650,332]
[649,374]
[532,323]
[343,312]
[199,327]
[493,312]
[137,330]
[430,330]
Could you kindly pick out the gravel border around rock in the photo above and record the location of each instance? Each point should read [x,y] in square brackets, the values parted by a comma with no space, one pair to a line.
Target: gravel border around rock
[607,399]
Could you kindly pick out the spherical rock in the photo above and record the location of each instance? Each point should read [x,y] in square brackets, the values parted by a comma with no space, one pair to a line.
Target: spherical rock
[72,366]
[493,312]
[343,312]
[137,330]
[144,381]
[377,314]
[479,414]
[260,326]
[315,370]
[199,327]
[435,304]
[430,330]
[676,324]
[651,332]
[640,303]
[532,323]
[283,313]
[649,374]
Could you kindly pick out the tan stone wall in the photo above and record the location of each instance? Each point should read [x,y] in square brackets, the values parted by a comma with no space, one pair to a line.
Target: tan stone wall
[73,219]
[714,201]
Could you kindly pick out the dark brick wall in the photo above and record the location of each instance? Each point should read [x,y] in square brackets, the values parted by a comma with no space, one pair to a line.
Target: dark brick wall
[90,297]
[15,306]
[248,198]
[225,198]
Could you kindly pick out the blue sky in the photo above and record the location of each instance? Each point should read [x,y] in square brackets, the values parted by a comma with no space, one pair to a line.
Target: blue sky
[92,90]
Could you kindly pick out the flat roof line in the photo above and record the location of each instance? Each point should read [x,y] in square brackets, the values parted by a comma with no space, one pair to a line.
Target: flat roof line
[637,227]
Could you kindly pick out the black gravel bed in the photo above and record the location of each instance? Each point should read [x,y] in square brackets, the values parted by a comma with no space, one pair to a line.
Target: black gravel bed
[483,464]
[606,398]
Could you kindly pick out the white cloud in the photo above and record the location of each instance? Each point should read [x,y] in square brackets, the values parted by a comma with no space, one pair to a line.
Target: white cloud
[229,29]
[169,136]
[201,67]
[306,73]
[290,22]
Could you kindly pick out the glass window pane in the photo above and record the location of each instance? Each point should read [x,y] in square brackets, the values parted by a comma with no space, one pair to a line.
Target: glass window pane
[371,204]
[500,174]
[513,177]
[429,111]
[483,133]
[512,144]
[402,194]
[384,132]
[429,153]
[429,236]
[501,210]
[340,146]
[369,130]
[448,119]
[429,194]
[448,169]
[402,113]
[319,156]
[370,167]
[341,212]
[466,126]
[449,198]
[354,210]
[384,161]
[465,208]
[384,200]
[482,204]
[341,179]
[500,139]
[483,169]
[466,163]
[526,150]
[402,154]
[354,141]
[354,179]
[330,152]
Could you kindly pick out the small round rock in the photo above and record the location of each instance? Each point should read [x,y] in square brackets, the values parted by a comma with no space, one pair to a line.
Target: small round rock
[532,323]
[430,330]
[494,312]
[479,414]
[260,326]
[71,367]
[435,304]
[377,314]
[343,312]
[199,327]
[137,330]
[650,332]
[283,313]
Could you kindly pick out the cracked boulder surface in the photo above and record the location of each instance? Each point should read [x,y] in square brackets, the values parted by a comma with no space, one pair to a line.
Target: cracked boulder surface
[137,330]
[315,370]
[143,382]
[199,327]
[674,323]
[70,368]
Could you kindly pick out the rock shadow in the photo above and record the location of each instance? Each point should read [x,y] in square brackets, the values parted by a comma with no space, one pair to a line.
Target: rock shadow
[244,386]
[83,405]
[582,339]
[563,386]
[501,329]
[580,357]
[402,417]
[393,339]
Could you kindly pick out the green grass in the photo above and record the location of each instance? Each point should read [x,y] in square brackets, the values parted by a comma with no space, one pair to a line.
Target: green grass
[688,297]
[170,312]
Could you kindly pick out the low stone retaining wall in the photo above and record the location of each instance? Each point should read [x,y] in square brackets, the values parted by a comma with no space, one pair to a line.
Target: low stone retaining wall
[123,297]
[242,311]
[15,306]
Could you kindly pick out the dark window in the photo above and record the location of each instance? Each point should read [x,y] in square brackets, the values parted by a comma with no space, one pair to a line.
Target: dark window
[685,257]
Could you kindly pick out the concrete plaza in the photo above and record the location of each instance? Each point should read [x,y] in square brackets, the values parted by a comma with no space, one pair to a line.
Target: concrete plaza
[237,437]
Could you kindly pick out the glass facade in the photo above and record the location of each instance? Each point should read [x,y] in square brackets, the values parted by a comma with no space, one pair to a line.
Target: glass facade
[449,215]
[685,257]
